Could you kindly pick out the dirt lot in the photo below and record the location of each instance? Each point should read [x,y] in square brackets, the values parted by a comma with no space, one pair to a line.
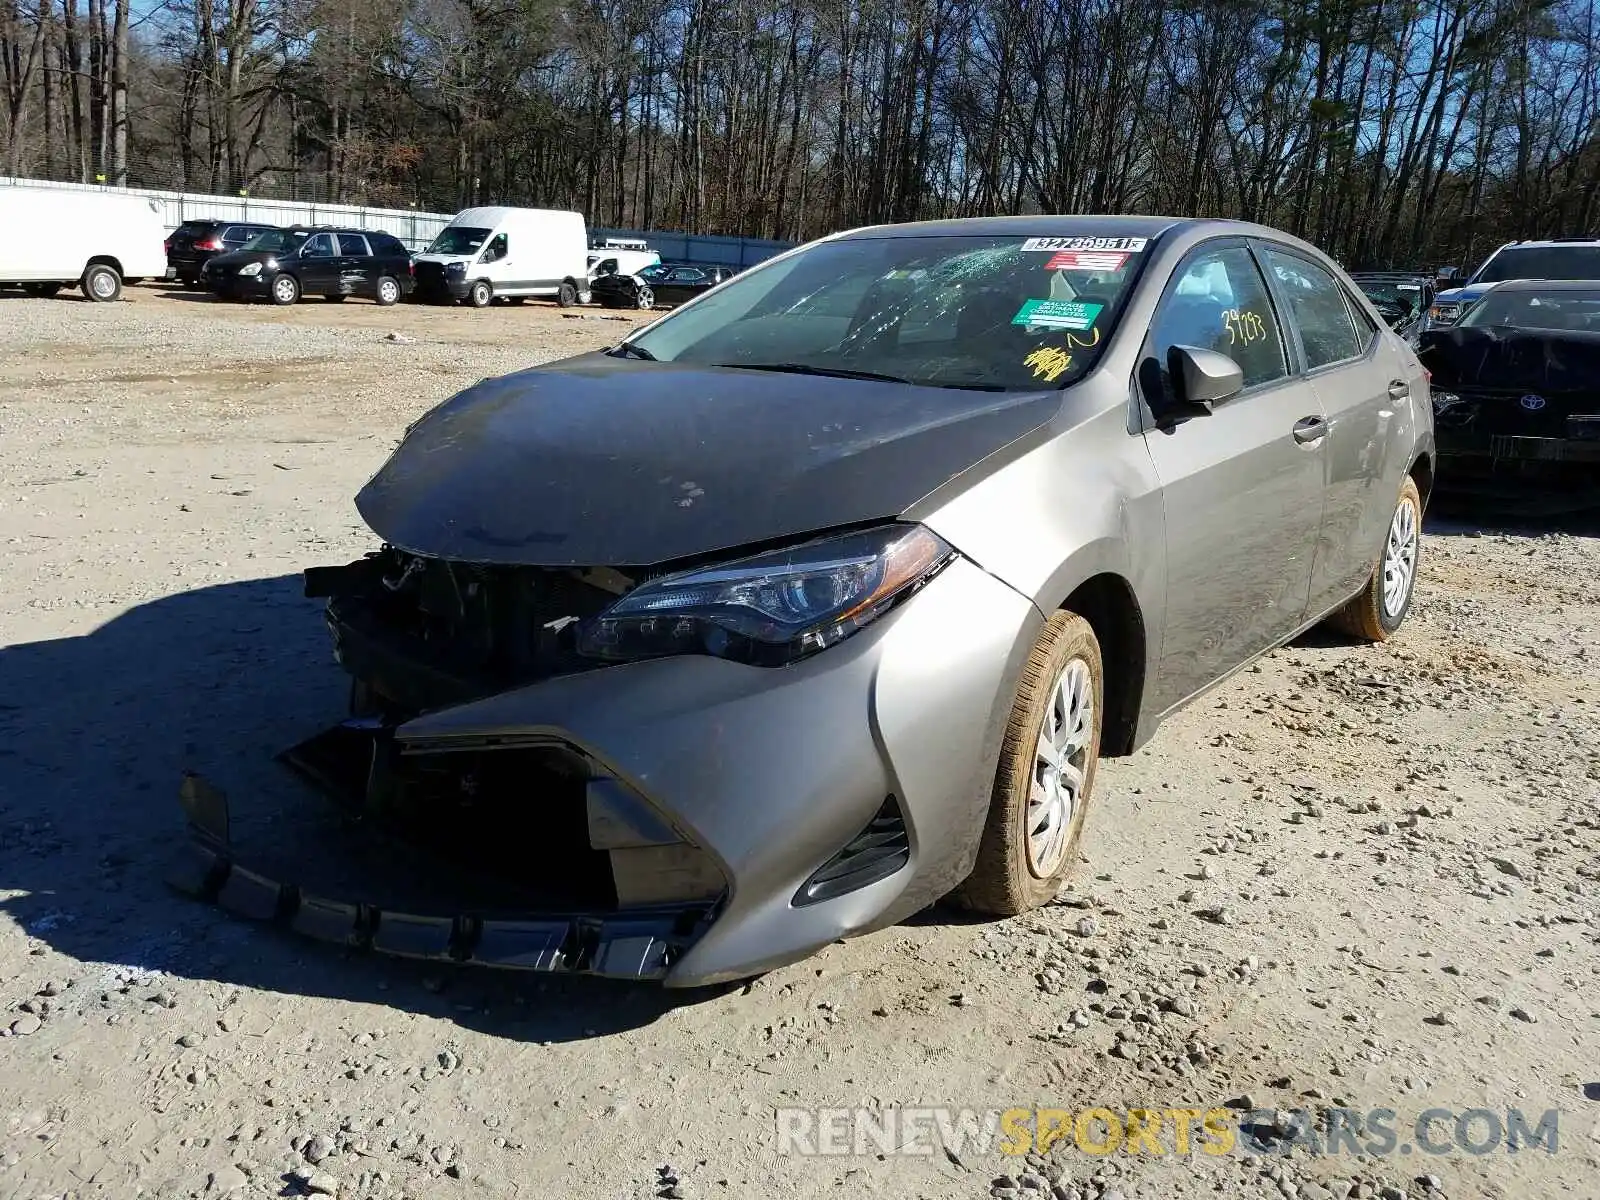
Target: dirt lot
[1360,877]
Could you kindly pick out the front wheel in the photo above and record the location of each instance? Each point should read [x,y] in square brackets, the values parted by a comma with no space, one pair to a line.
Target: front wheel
[646,298]
[285,289]
[1045,776]
[388,291]
[1376,613]
[481,294]
[102,283]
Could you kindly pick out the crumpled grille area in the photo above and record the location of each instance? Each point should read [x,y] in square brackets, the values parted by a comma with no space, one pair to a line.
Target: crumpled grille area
[421,632]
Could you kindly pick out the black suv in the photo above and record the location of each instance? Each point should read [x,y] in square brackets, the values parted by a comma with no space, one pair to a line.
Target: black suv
[194,243]
[284,264]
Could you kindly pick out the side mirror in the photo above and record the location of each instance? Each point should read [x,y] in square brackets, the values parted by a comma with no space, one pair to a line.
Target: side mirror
[1200,378]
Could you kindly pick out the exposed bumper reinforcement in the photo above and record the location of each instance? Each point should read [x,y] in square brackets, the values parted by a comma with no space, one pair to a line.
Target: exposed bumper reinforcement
[636,944]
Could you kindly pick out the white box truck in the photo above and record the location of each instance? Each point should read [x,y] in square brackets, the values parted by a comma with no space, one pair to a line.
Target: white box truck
[54,238]
[509,253]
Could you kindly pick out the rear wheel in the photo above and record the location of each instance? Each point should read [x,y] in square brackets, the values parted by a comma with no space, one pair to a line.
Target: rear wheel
[102,283]
[388,291]
[41,291]
[480,294]
[567,294]
[1376,613]
[1045,775]
[285,289]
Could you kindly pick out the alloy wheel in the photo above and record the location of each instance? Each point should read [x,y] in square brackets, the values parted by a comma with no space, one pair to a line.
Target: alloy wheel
[1061,759]
[1400,557]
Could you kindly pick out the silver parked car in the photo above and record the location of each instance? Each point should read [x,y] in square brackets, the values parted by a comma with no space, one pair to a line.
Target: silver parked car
[820,598]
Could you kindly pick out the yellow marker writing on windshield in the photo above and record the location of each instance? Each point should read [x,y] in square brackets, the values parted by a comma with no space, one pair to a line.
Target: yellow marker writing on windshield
[1048,362]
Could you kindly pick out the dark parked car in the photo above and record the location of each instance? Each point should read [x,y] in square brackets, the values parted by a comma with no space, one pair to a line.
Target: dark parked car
[820,598]
[284,264]
[660,286]
[1516,395]
[194,243]
[1401,297]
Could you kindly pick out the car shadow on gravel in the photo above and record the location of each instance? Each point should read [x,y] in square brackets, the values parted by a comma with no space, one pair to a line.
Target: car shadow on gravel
[95,733]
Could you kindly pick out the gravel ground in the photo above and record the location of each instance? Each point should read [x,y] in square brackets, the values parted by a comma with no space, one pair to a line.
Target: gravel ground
[1358,877]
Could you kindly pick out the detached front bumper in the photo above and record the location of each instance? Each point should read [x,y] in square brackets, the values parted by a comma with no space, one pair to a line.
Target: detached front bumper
[784,808]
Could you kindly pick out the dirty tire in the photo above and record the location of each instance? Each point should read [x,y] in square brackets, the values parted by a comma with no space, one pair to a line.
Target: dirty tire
[1004,881]
[1367,616]
[481,294]
[102,283]
[388,291]
[285,289]
[567,294]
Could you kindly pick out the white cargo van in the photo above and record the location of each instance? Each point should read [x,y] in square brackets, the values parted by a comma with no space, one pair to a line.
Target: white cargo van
[609,261]
[51,239]
[506,252]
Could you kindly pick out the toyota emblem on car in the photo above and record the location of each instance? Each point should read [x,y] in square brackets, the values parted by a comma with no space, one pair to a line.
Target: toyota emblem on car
[1533,403]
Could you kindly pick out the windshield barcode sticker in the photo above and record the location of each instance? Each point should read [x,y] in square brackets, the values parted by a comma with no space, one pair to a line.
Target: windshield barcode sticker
[1056,314]
[1133,245]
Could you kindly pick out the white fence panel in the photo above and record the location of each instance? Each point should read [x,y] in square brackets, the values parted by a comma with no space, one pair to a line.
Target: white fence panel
[415,229]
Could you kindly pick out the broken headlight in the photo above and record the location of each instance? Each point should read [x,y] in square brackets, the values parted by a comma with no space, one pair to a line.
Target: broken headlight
[774,608]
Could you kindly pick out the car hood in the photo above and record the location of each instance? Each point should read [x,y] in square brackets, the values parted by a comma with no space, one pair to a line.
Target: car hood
[1495,357]
[1467,294]
[445,259]
[604,461]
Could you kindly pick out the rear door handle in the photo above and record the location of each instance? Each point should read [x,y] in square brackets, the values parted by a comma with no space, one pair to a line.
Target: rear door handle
[1399,389]
[1310,429]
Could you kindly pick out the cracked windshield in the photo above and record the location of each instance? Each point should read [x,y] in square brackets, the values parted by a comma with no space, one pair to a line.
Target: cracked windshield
[990,313]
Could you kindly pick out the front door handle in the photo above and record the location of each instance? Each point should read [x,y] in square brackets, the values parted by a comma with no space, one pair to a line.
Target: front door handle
[1399,389]
[1310,429]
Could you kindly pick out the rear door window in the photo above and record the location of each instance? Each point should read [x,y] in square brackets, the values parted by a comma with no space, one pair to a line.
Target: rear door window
[1317,308]
[319,245]
[387,245]
[1365,329]
[353,245]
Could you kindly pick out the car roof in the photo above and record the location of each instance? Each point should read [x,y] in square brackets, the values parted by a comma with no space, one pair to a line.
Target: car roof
[1548,242]
[1053,225]
[1421,275]
[1546,285]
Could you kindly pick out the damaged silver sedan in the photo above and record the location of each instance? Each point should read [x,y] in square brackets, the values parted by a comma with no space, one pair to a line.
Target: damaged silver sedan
[819,599]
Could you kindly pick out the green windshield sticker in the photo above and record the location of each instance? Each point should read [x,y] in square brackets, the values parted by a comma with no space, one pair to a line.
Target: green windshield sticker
[1056,314]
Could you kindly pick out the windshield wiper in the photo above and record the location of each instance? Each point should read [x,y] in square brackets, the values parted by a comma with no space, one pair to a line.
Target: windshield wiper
[846,373]
[629,350]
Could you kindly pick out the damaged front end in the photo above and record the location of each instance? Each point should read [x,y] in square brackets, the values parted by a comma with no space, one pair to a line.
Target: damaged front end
[605,883]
